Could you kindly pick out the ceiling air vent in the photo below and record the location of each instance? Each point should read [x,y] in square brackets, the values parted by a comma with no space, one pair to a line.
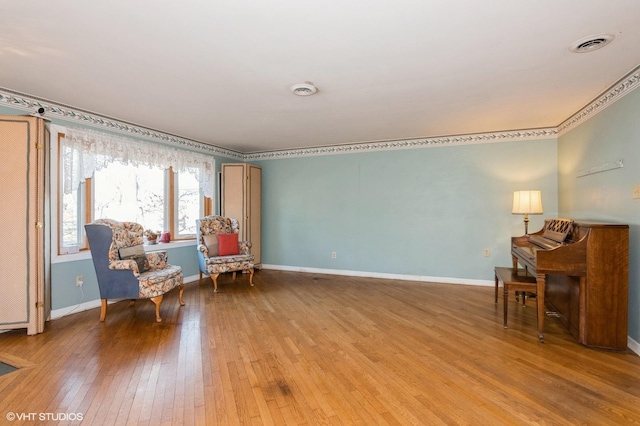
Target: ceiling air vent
[304,89]
[589,44]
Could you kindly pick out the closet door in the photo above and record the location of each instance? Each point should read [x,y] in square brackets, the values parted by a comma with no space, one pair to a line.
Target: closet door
[242,200]
[234,200]
[24,301]
[254,212]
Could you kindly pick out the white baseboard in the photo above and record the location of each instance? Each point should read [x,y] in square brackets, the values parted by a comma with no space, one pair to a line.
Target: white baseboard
[63,312]
[422,278]
[92,304]
[633,345]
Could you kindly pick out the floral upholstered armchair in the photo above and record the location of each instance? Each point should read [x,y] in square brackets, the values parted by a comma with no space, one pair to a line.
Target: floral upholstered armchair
[219,249]
[124,270]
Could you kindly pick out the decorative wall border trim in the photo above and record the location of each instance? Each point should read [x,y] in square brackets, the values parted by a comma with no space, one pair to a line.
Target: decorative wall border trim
[30,104]
[623,87]
[470,139]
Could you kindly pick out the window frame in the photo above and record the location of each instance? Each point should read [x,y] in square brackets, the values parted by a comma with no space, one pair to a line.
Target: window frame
[86,204]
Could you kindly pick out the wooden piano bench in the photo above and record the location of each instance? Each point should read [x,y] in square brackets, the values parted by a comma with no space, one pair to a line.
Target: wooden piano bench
[516,280]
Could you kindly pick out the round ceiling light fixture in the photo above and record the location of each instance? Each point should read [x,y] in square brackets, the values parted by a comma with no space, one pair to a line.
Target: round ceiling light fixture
[304,89]
[591,43]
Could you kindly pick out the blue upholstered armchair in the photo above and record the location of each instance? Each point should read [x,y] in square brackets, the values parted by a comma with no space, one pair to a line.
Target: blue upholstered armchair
[219,249]
[124,270]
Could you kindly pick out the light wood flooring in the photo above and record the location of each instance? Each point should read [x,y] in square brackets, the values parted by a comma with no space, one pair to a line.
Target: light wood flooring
[308,349]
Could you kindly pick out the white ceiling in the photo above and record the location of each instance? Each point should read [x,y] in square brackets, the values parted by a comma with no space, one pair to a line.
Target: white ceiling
[219,72]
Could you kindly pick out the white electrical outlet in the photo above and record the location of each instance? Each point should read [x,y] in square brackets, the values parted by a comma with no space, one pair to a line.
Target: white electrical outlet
[636,191]
[487,252]
[333,255]
[79,281]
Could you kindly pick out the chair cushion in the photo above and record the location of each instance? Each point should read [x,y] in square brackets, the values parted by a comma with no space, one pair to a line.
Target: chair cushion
[159,281]
[237,258]
[136,253]
[211,241]
[228,244]
[221,264]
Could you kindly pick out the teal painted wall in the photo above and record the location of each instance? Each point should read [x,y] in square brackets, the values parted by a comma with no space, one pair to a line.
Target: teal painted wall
[431,211]
[423,212]
[611,135]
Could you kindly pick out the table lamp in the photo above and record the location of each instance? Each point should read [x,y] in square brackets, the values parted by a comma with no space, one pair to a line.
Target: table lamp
[526,203]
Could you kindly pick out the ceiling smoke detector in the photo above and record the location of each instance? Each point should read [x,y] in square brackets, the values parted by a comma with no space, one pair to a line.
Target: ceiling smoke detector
[591,43]
[304,89]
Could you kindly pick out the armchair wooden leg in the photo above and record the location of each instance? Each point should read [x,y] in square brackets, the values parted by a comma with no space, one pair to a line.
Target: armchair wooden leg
[214,278]
[157,301]
[181,287]
[200,282]
[251,277]
[234,275]
[103,310]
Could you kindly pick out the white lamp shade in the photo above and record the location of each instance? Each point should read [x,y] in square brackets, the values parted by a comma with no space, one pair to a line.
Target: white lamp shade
[527,202]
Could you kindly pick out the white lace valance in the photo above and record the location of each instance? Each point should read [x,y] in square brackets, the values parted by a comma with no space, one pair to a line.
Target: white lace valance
[84,151]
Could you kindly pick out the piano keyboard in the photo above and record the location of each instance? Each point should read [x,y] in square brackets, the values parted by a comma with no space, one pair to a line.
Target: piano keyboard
[543,242]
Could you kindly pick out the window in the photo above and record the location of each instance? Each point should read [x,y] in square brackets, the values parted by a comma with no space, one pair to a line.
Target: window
[188,204]
[98,179]
[130,193]
[71,217]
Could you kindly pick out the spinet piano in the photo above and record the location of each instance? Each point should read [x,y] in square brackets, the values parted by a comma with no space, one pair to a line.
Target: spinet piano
[582,272]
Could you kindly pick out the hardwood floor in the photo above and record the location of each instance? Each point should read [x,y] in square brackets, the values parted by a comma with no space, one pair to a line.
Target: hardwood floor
[316,349]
